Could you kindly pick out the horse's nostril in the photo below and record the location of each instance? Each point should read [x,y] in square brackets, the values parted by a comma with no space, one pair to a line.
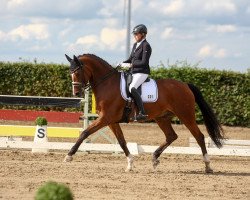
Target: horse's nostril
[77,94]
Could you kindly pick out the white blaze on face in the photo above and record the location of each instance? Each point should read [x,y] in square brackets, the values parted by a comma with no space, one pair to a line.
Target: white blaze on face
[73,88]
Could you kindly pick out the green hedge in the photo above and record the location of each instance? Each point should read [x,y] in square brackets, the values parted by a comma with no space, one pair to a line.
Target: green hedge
[227,92]
[35,79]
[32,79]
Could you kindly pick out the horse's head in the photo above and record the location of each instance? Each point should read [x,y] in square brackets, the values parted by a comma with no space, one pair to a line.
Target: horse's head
[88,70]
[76,71]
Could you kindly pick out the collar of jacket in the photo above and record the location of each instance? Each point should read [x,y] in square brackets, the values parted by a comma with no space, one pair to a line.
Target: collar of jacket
[138,44]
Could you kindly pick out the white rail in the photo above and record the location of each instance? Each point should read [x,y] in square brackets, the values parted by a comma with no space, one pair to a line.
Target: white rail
[133,147]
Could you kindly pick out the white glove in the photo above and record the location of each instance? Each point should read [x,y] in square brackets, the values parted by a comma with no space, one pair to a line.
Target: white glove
[126,65]
[118,65]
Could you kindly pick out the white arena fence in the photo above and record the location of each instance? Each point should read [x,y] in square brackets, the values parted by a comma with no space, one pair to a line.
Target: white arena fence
[115,148]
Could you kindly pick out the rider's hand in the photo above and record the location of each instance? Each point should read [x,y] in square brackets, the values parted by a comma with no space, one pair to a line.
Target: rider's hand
[126,65]
[118,65]
[123,66]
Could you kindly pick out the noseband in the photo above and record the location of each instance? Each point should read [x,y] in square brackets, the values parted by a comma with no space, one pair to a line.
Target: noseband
[76,84]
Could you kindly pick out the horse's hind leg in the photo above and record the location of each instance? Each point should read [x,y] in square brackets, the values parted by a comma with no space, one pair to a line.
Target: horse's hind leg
[194,129]
[116,129]
[165,125]
[190,123]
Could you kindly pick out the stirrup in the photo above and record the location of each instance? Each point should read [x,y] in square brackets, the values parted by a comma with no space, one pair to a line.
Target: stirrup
[140,117]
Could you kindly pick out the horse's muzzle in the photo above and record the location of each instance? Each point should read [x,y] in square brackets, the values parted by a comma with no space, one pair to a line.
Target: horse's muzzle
[77,89]
[77,94]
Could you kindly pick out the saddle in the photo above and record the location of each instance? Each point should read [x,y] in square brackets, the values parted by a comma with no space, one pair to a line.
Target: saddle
[128,79]
[148,91]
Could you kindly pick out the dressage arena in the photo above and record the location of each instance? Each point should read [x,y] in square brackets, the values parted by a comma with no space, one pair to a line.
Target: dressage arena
[103,176]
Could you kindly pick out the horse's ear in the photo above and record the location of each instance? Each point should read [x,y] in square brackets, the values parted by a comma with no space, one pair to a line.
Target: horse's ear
[68,58]
[77,60]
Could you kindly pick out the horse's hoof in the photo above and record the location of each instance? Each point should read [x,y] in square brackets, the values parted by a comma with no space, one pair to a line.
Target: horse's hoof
[128,170]
[155,163]
[209,171]
[68,158]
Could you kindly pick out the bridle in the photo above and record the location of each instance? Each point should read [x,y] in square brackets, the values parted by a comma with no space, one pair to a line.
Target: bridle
[74,83]
[88,85]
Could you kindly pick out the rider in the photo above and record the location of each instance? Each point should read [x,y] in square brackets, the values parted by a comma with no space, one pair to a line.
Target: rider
[139,66]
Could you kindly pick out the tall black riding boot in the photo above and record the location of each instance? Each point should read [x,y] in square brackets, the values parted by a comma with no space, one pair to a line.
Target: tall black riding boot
[137,97]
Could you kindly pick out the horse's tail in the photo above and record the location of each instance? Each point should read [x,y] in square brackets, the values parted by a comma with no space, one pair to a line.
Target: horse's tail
[213,126]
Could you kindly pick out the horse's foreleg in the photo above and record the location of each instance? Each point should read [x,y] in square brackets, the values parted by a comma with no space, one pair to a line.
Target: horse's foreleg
[95,126]
[165,124]
[116,129]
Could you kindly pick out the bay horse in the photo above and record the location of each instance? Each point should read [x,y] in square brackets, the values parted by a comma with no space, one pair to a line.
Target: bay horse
[175,98]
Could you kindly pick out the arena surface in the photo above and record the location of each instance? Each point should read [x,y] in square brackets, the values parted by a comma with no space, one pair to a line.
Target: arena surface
[103,176]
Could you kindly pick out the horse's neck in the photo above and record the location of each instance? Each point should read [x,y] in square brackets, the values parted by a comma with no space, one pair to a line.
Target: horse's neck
[106,86]
[101,74]
[100,71]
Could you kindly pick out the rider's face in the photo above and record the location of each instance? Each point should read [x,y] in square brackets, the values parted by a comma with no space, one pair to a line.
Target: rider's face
[138,37]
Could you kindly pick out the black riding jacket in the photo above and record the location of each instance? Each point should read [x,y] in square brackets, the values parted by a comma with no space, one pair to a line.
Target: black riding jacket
[139,58]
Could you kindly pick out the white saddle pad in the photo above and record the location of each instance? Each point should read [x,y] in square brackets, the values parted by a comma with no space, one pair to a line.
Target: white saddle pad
[149,90]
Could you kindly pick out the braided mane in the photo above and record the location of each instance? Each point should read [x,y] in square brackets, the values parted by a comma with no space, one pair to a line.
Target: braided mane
[98,58]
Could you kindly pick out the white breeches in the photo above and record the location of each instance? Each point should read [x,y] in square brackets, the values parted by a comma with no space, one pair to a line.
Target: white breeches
[137,80]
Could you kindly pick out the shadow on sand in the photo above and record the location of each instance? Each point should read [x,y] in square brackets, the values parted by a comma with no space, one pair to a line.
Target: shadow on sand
[219,173]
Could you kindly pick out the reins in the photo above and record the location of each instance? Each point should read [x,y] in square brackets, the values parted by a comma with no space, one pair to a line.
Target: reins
[106,77]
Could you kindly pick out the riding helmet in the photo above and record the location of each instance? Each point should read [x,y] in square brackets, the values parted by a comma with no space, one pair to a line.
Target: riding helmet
[141,28]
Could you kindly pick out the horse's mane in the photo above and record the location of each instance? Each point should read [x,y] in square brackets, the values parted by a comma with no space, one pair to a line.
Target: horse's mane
[98,58]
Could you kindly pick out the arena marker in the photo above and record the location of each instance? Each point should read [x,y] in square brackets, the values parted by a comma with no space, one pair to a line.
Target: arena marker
[40,135]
